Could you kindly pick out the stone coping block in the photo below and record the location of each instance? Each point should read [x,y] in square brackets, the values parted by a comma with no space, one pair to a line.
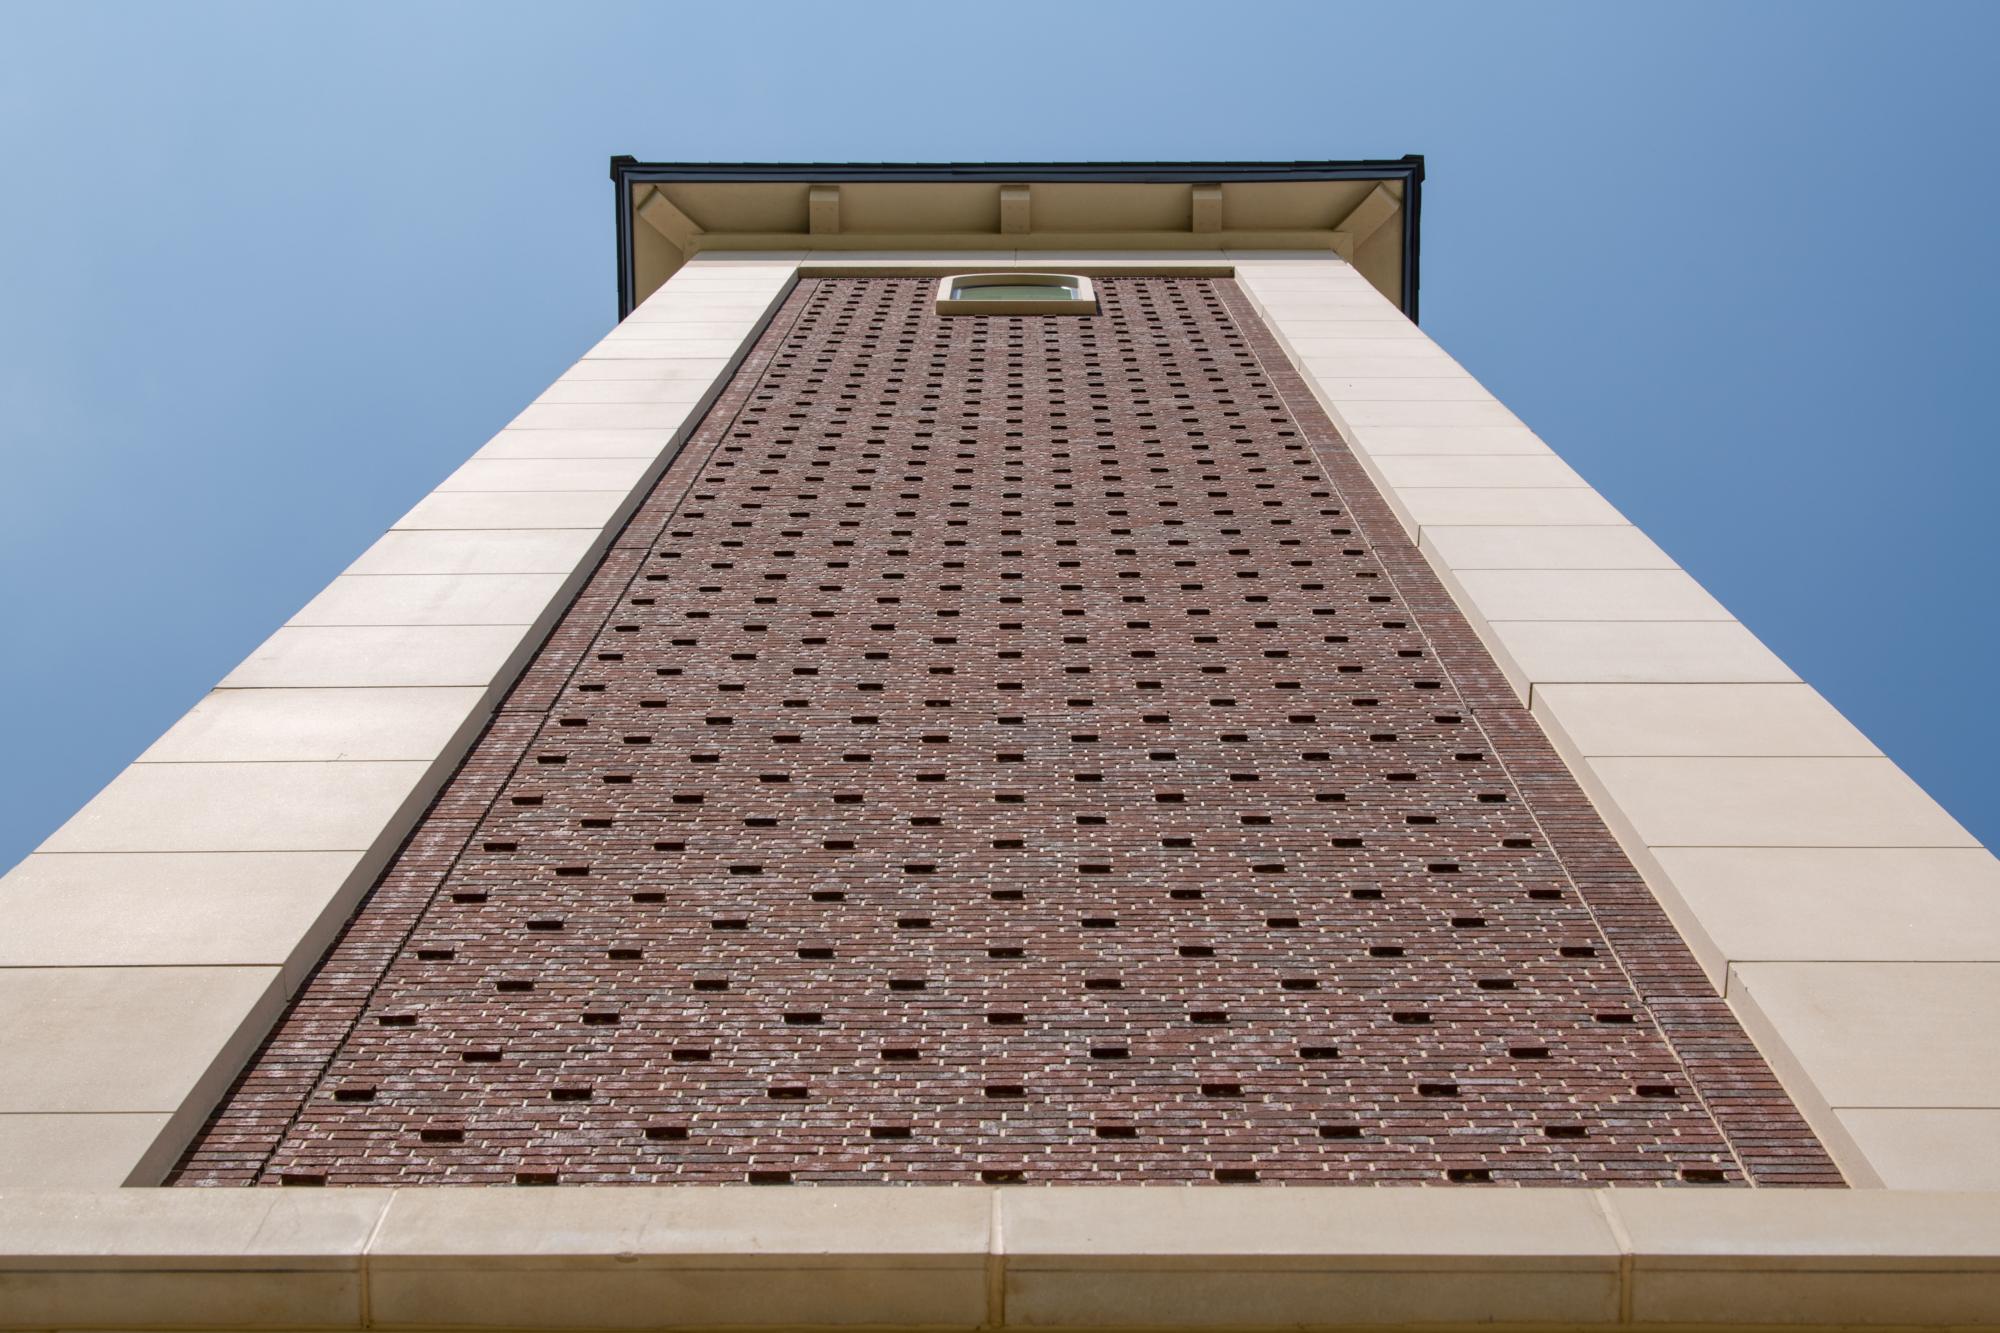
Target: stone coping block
[1699,720]
[84,1040]
[175,909]
[521,511]
[1926,1148]
[244,807]
[382,724]
[1881,1034]
[1164,1257]
[302,657]
[1841,904]
[1453,550]
[478,551]
[58,1150]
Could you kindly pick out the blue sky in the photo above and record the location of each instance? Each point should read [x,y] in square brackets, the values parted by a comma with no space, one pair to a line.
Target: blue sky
[268,272]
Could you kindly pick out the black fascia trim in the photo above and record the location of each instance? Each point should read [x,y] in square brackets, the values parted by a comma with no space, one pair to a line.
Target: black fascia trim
[1413,207]
[1182,173]
[628,171]
[621,208]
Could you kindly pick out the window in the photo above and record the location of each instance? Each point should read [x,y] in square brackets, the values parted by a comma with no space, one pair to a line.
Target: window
[1016,294]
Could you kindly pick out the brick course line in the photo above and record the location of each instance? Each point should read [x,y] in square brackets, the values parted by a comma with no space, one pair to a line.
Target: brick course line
[1002,754]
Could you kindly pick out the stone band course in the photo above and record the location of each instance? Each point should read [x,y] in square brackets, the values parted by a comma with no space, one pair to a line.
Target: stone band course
[662,1257]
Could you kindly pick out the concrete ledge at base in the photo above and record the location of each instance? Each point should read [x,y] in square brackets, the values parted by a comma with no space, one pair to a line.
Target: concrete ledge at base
[1195,1257]
[184,1258]
[1801,1258]
[693,1256]
[1160,1257]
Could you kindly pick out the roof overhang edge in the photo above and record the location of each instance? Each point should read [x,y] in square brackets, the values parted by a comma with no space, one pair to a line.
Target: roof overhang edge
[1402,176]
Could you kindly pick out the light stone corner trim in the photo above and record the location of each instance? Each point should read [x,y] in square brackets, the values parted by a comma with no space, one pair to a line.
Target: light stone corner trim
[149,944]
[1811,876]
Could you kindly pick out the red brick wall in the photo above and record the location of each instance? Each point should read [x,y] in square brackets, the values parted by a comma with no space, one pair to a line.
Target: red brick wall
[1010,748]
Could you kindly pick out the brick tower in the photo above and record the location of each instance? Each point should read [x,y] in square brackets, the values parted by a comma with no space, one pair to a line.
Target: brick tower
[1034,675]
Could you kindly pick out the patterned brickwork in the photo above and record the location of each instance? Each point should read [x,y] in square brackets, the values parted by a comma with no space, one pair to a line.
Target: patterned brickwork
[1010,748]
[1767,1133]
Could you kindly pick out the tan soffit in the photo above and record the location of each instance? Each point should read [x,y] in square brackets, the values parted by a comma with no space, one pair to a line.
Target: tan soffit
[670,213]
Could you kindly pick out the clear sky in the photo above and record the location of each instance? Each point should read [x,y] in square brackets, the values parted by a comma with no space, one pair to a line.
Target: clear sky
[268,272]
